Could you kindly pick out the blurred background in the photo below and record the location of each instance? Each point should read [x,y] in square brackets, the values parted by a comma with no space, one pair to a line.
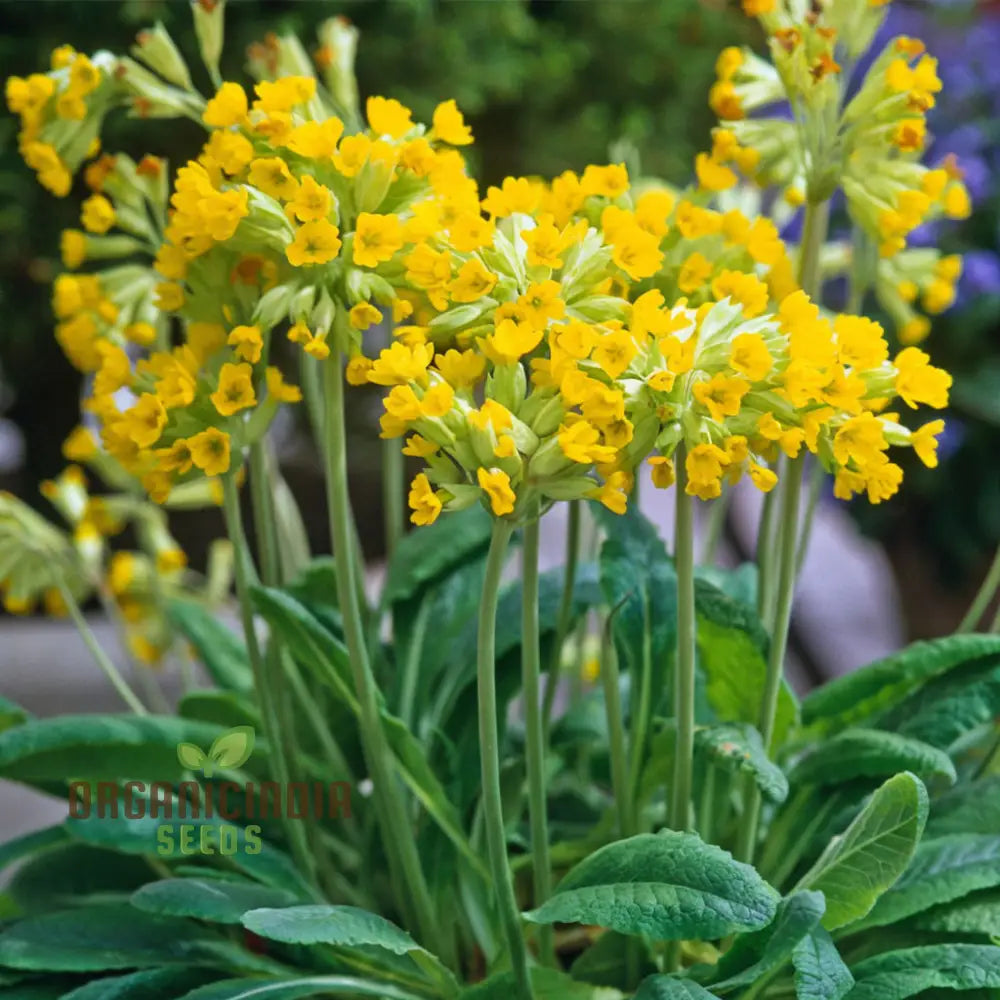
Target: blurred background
[549,85]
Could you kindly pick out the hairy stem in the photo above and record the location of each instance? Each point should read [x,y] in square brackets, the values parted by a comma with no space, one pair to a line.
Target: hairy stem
[565,608]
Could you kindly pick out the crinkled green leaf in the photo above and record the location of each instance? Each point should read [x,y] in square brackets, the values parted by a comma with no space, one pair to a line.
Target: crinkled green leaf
[943,869]
[671,988]
[31,843]
[214,900]
[755,955]
[977,913]
[872,690]
[867,858]
[739,747]
[896,975]
[969,807]
[668,886]
[428,554]
[114,937]
[297,989]
[219,648]
[341,926]
[871,753]
[820,972]
[147,984]
[99,748]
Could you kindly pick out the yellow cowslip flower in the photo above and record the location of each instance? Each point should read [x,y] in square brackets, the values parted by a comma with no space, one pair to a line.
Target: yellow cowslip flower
[924,442]
[746,289]
[614,352]
[424,502]
[283,94]
[227,108]
[610,181]
[419,447]
[515,194]
[73,248]
[580,442]
[316,242]
[356,370]
[316,140]
[469,232]
[661,471]
[918,381]
[546,242]
[235,391]
[364,315]
[449,125]
[750,356]
[230,151]
[278,389]
[312,201]
[704,465]
[472,282]
[247,342]
[636,251]
[495,483]
[210,451]
[399,364]
[272,176]
[97,214]
[177,458]
[763,478]
[437,400]
[376,239]
[861,439]
[511,340]
[144,422]
[721,395]
[80,445]
[694,273]
[713,175]
[462,369]
[386,116]
[860,342]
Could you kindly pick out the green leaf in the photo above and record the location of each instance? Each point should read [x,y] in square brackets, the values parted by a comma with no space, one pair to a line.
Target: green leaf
[669,886]
[419,777]
[942,870]
[142,836]
[605,962]
[755,955]
[340,926]
[978,913]
[11,714]
[871,753]
[739,747]
[309,641]
[732,651]
[148,984]
[671,988]
[546,984]
[426,555]
[221,708]
[739,584]
[215,900]
[343,927]
[31,843]
[99,748]
[872,690]
[896,975]
[219,649]
[970,807]
[112,937]
[820,972]
[862,862]
[232,749]
[296,989]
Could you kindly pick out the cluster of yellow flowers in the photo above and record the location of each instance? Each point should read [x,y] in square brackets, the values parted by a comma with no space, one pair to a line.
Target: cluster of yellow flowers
[547,338]
[864,136]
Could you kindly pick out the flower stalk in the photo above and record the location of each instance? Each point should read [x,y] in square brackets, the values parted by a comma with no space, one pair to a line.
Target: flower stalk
[535,742]
[489,750]
[399,840]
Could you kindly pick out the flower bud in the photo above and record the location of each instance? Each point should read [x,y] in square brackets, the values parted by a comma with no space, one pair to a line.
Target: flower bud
[209,18]
[339,43]
[156,49]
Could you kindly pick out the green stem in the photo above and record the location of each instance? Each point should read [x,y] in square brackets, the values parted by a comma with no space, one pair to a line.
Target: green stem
[816,476]
[397,833]
[706,812]
[100,657]
[565,608]
[680,803]
[767,526]
[411,666]
[269,712]
[263,515]
[640,710]
[393,487]
[788,549]
[489,749]
[814,227]
[535,743]
[986,764]
[616,733]
[716,523]
[984,595]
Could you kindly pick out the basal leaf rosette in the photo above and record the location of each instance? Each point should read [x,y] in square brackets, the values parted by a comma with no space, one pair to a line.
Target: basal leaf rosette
[865,134]
[737,388]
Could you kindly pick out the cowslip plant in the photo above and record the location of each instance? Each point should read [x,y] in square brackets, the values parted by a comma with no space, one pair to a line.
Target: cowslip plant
[390,804]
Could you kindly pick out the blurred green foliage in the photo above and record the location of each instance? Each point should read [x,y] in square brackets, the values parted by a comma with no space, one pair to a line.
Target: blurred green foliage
[547,85]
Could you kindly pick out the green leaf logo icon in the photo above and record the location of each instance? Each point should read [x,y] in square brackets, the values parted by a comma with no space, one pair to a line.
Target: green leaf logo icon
[229,750]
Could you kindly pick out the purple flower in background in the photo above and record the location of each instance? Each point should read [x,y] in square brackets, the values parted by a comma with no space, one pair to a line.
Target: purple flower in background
[980,274]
